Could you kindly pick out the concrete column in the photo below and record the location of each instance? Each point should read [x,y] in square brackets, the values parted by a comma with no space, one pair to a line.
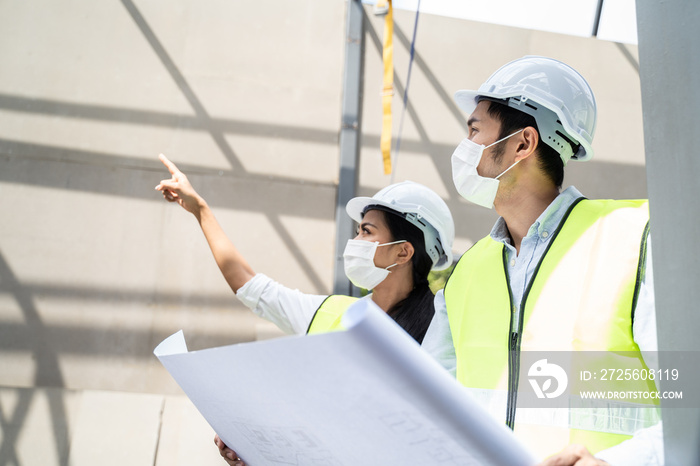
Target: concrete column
[349,140]
[669,56]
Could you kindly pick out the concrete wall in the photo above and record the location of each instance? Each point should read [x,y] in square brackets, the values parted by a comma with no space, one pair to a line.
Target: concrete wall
[96,269]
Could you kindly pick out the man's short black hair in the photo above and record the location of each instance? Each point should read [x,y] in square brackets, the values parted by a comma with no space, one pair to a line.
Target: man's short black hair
[511,121]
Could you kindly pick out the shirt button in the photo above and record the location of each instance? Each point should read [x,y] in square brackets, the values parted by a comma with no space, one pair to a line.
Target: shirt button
[512,262]
[544,234]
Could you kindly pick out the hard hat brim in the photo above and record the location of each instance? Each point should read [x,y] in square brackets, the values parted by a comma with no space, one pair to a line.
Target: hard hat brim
[356,206]
[466,100]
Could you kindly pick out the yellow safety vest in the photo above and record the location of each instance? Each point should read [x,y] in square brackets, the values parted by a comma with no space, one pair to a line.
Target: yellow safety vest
[329,313]
[581,297]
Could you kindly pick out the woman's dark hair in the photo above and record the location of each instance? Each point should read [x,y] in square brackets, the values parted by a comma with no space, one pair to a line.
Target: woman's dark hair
[511,121]
[415,312]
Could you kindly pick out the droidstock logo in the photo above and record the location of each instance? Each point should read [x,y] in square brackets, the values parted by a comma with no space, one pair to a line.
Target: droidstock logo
[541,375]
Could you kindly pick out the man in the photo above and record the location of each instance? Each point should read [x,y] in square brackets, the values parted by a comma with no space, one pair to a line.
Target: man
[557,273]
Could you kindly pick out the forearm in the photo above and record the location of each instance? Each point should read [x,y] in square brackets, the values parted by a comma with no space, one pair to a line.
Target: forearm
[232,264]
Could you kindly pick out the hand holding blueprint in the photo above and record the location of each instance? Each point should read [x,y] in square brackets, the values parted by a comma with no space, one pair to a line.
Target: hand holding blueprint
[368,395]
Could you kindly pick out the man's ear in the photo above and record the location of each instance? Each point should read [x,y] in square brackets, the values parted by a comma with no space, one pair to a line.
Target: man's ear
[406,252]
[527,142]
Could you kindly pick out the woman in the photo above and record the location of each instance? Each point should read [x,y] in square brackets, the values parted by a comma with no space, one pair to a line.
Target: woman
[405,230]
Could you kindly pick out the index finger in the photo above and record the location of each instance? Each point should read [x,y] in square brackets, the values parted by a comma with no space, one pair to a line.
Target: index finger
[172,168]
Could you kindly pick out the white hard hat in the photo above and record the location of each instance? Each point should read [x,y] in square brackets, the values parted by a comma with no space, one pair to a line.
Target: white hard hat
[556,95]
[423,208]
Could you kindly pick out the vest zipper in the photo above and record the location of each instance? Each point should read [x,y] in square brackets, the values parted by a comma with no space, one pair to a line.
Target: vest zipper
[513,357]
[513,378]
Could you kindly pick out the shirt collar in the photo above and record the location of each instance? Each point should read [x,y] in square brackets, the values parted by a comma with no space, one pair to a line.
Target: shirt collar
[548,221]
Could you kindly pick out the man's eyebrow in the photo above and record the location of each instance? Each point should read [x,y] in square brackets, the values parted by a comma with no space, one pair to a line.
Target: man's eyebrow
[472,120]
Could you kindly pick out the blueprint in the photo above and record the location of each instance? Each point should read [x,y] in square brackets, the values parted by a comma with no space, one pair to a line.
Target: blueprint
[366,395]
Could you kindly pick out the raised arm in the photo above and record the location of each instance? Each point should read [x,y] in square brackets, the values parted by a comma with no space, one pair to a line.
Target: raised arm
[232,264]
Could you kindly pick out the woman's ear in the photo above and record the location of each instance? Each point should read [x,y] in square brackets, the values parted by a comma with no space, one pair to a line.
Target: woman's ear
[527,142]
[405,253]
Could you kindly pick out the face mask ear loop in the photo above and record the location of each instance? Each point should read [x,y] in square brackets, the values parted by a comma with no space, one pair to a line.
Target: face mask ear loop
[503,139]
[393,242]
[506,170]
[387,244]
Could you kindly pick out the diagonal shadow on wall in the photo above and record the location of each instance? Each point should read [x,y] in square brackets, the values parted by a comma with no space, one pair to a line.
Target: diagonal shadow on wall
[183,85]
[11,426]
[47,370]
[216,133]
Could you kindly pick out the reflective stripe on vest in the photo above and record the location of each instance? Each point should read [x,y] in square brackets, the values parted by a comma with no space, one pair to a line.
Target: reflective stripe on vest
[581,298]
[329,313]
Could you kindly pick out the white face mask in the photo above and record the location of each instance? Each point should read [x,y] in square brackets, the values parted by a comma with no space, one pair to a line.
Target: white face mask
[359,263]
[470,185]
